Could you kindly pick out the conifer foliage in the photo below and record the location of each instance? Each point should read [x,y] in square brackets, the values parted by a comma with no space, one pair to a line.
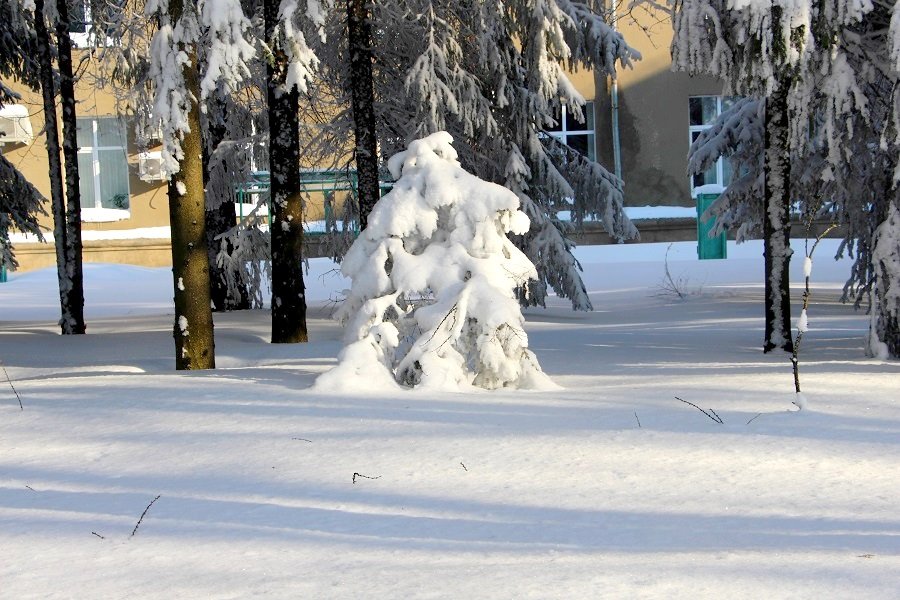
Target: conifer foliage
[432,302]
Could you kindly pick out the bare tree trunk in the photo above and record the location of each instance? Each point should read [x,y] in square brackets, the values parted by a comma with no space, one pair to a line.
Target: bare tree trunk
[362,89]
[69,294]
[288,288]
[776,222]
[193,329]
[73,246]
[220,218]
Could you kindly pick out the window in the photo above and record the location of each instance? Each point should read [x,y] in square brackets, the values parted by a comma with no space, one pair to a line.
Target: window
[578,135]
[102,168]
[78,14]
[704,110]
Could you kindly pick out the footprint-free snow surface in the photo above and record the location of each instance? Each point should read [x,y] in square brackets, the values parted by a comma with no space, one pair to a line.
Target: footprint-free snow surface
[608,488]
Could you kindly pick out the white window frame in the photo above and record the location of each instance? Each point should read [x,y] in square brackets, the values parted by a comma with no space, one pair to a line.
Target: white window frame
[82,39]
[564,131]
[92,210]
[692,129]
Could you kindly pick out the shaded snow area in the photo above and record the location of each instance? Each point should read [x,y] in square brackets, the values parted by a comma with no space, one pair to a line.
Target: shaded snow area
[608,488]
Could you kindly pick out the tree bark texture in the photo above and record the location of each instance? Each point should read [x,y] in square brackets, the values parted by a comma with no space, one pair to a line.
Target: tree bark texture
[776,222]
[193,328]
[220,218]
[68,295]
[362,90]
[73,246]
[288,288]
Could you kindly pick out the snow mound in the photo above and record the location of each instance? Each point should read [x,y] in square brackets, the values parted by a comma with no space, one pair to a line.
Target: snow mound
[432,301]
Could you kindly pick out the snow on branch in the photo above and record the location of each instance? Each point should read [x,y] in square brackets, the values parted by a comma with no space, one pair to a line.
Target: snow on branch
[228,50]
[20,206]
[432,302]
[302,61]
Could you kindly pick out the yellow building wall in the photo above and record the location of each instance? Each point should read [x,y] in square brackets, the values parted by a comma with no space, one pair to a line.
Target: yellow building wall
[148,203]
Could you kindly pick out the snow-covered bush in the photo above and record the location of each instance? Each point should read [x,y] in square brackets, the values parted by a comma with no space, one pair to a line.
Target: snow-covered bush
[432,302]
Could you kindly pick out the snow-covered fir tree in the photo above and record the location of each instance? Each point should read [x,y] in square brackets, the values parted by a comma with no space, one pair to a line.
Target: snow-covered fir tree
[20,202]
[493,75]
[843,143]
[432,301]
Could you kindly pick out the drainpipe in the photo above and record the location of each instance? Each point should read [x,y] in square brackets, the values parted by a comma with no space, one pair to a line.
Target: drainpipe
[614,103]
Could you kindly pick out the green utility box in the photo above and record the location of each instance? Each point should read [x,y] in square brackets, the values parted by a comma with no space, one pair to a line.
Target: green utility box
[2,273]
[709,247]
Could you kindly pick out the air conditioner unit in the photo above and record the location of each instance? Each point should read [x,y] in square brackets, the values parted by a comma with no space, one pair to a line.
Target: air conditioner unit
[15,126]
[150,167]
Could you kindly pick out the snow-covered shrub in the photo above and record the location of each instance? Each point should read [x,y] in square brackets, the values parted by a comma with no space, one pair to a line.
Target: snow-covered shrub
[432,302]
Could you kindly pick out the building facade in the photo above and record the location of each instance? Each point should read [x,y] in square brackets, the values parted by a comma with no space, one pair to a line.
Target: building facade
[641,126]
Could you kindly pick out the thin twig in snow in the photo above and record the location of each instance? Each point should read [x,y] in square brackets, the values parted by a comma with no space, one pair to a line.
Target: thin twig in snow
[758,415]
[302,440]
[143,514]
[9,381]
[355,475]
[30,488]
[638,420]
[715,417]
[98,535]
[464,467]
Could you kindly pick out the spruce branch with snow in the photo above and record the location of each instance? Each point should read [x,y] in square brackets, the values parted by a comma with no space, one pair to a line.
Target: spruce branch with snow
[837,62]
[493,75]
[432,302]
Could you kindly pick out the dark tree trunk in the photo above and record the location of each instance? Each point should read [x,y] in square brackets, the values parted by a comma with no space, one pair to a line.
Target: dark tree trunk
[193,329]
[362,89]
[70,154]
[776,222]
[288,289]
[220,217]
[71,297]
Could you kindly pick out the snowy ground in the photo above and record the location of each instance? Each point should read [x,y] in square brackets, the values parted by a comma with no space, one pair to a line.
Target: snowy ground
[610,488]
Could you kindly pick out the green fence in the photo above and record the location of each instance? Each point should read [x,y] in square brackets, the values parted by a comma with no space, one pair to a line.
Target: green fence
[324,181]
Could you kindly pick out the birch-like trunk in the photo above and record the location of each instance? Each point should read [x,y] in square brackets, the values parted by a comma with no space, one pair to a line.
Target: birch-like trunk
[362,90]
[73,246]
[288,288]
[69,309]
[193,329]
[777,200]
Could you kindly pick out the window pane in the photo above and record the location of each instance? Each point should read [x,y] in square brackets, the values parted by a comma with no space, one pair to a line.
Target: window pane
[84,132]
[113,179]
[86,180]
[728,102]
[702,110]
[110,132]
[727,171]
[578,143]
[589,115]
[77,20]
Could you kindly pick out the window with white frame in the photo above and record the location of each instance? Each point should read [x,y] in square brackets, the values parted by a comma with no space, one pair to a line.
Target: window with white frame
[79,19]
[703,111]
[102,165]
[577,134]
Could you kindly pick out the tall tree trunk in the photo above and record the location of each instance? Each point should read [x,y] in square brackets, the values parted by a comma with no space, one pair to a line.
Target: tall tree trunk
[288,289]
[193,329]
[220,217]
[884,327]
[73,244]
[776,222]
[362,89]
[68,294]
